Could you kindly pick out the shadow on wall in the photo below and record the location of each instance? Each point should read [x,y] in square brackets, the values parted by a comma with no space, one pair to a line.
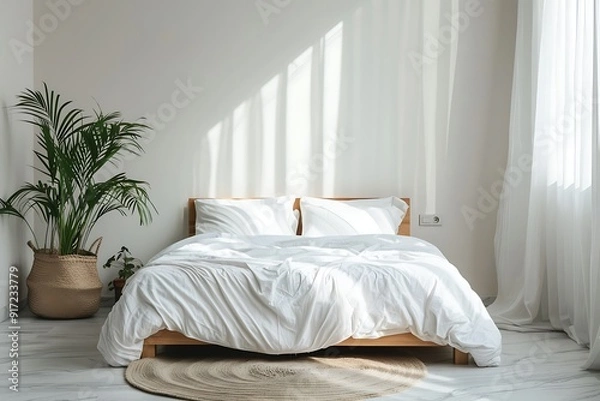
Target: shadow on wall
[360,110]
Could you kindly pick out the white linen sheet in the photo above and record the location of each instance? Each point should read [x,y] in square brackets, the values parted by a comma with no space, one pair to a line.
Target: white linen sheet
[288,294]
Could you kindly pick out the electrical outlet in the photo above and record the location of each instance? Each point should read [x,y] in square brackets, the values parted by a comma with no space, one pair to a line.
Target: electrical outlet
[430,220]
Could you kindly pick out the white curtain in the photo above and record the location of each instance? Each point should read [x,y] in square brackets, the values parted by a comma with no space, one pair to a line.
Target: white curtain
[357,112]
[548,232]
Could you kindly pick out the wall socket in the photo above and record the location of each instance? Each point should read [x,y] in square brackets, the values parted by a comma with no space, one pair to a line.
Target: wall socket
[430,220]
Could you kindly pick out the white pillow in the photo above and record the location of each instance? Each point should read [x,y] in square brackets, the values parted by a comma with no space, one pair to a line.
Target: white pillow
[364,216]
[268,216]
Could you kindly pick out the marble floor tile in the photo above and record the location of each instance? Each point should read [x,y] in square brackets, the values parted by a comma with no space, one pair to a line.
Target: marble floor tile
[58,360]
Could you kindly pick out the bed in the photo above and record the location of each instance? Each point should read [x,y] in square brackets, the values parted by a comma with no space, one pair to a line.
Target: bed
[482,338]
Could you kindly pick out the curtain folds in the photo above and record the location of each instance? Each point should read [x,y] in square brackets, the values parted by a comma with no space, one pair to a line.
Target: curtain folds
[548,231]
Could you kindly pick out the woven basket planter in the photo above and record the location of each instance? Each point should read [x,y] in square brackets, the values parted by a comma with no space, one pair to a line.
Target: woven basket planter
[64,286]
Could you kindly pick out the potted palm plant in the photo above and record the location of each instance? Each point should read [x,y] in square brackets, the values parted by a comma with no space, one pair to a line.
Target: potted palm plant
[127,266]
[73,151]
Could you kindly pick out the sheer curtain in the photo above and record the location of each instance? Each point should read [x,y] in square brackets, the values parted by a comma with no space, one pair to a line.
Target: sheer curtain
[548,232]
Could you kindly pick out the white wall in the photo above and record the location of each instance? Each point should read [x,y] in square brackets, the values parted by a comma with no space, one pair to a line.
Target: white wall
[478,149]
[128,56]
[16,74]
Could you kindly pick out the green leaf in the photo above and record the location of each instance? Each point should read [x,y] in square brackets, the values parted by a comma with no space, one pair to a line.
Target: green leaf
[73,148]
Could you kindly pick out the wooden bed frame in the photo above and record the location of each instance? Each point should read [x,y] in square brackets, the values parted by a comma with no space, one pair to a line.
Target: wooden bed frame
[167,337]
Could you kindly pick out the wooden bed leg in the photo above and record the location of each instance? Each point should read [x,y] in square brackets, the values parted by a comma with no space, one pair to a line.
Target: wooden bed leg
[460,358]
[148,351]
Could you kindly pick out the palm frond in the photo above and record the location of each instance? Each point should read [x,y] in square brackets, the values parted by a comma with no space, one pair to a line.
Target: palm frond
[72,149]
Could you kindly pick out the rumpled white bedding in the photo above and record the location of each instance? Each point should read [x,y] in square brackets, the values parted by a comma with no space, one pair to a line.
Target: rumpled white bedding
[288,294]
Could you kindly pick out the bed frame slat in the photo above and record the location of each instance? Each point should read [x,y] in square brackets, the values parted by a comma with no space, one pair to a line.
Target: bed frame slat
[168,337]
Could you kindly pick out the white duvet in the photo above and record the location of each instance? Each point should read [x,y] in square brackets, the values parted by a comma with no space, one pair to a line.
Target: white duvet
[283,294]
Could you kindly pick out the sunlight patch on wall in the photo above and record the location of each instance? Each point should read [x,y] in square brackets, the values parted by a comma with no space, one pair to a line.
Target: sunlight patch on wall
[283,138]
[331,105]
[350,115]
[214,143]
[298,117]
[269,165]
[239,141]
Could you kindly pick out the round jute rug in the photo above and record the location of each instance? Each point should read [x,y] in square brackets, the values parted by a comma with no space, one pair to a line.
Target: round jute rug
[276,378]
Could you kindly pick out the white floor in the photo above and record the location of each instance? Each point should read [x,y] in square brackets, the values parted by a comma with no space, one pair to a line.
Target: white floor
[58,360]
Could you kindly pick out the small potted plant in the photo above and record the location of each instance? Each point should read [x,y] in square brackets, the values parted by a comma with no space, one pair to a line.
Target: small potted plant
[127,265]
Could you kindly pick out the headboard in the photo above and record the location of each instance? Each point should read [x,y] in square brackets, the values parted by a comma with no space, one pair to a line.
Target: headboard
[404,228]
